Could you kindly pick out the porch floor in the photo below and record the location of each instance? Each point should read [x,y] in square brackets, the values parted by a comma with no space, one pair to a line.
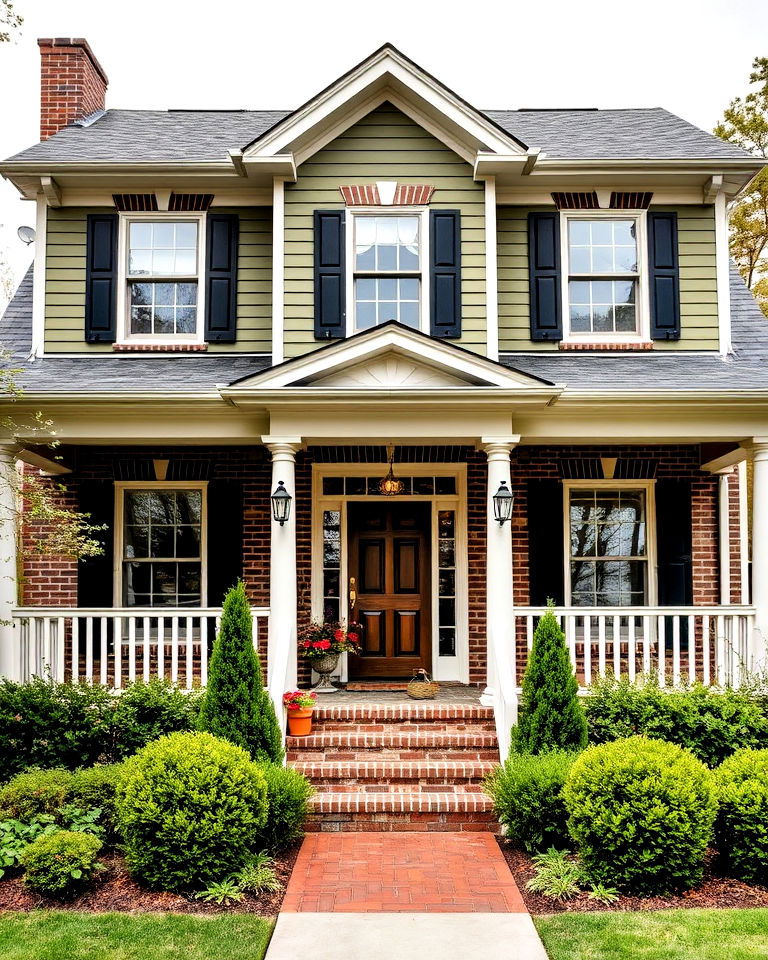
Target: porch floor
[448,693]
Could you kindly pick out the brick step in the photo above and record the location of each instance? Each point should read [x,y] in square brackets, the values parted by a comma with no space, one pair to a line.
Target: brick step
[392,786]
[388,771]
[415,726]
[408,712]
[401,811]
[471,739]
[402,823]
[296,754]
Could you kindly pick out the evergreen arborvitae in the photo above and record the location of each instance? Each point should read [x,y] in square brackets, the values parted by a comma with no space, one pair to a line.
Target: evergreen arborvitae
[550,715]
[236,706]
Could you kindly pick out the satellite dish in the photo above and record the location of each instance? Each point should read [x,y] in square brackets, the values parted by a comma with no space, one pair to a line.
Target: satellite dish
[26,235]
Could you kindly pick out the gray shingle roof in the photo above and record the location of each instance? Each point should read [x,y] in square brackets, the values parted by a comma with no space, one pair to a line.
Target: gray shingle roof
[746,369]
[158,135]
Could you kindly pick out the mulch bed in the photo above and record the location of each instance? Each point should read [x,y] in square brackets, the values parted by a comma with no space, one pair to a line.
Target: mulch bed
[713,891]
[114,890]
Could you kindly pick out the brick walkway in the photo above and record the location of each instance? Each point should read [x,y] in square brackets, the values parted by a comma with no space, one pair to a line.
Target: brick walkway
[401,873]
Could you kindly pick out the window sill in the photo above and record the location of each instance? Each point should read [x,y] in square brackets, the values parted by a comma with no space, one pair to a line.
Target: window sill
[606,346]
[159,347]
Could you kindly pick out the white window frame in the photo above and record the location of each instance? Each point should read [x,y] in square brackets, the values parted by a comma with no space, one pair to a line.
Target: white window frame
[121,487]
[349,226]
[454,668]
[642,301]
[124,334]
[649,487]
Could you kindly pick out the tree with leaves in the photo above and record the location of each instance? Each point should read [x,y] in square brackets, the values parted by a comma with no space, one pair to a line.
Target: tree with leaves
[236,707]
[550,715]
[745,123]
[9,20]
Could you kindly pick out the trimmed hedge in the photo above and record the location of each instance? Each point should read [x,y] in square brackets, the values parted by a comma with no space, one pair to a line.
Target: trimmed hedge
[189,809]
[527,794]
[288,794]
[641,814]
[60,864]
[712,724]
[741,828]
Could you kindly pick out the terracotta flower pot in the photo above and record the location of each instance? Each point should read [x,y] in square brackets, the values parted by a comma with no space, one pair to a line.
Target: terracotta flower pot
[300,722]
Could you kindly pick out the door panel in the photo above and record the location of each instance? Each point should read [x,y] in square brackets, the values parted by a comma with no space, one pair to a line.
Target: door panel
[389,559]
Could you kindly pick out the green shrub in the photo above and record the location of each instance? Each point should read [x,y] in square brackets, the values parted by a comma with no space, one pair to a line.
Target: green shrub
[236,707]
[710,723]
[60,864]
[14,837]
[641,813]
[527,794]
[741,828]
[35,792]
[95,787]
[45,724]
[189,810]
[550,714]
[288,794]
[146,711]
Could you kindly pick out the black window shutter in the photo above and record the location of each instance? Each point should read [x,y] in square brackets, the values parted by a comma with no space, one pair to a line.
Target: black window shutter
[95,575]
[544,276]
[445,273]
[222,230]
[674,547]
[101,278]
[545,542]
[225,538]
[330,283]
[664,276]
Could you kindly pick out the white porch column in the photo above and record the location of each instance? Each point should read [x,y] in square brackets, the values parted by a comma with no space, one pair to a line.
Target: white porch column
[283,598]
[724,525]
[500,608]
[760,550]
[8,561]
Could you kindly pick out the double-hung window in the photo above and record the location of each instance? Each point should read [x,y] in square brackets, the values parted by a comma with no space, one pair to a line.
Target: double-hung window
[161,546]
[163,271]
[387,269]
[608,563]
[603,279]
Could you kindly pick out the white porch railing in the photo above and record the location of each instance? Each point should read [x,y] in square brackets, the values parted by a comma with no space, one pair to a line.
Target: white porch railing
[676,644]
[114,646]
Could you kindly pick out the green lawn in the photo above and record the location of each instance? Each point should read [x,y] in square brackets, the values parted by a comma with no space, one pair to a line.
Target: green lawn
[662,935]
[63,935]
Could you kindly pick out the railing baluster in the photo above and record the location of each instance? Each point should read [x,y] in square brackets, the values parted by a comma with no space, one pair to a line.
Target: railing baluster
[190,662]
[631,648]
[131,649]
[617,647]
[735,672]
[160,645]
[46,645]
[145,651]
[529,632]
[676,650]
[691,648]
[646,645]
[587,651]
[89,650]
[60,639]
[720,649]
[661,648]
[75,665]
[601,646]
[204,623]
[570,633]
[705,650]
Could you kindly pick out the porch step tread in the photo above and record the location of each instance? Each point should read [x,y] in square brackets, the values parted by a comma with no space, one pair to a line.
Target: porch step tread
[469,739]
[401,802]
[397,726]
[383,770]
[394,712]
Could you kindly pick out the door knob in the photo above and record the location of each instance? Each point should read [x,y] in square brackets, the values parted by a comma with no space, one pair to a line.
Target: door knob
[352,593]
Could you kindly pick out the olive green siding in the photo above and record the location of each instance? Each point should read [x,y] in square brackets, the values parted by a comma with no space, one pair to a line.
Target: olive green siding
[698,284]
[65,282]
[385,145]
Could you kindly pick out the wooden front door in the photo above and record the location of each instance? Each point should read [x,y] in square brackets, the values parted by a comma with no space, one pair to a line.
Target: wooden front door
[389,562]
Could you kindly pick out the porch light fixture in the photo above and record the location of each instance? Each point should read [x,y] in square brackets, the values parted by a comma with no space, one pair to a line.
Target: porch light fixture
[390,486]
[502,503]
[281,503]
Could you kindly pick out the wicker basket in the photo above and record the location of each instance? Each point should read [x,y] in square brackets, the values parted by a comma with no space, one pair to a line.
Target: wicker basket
[422,688]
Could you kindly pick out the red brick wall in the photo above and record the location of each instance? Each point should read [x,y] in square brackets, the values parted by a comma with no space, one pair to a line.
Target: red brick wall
[72,83]
[46,581]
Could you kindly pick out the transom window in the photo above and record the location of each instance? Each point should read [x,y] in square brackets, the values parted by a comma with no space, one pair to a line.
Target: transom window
[163,278]
[608,547]
[387,269]
[162,543]
[603,275]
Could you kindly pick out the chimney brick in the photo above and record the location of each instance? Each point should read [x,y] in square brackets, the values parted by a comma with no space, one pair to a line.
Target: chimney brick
[73,84]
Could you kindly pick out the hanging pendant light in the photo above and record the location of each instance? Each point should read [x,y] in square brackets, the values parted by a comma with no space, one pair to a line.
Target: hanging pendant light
[390,486]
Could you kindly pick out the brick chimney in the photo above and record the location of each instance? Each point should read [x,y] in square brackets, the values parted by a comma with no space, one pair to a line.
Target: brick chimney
[72,83]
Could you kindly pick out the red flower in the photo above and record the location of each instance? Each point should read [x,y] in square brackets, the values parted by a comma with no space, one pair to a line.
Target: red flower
[339,636]
[353,638]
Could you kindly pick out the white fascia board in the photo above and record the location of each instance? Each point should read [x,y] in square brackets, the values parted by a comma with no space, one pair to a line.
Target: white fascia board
[386,67]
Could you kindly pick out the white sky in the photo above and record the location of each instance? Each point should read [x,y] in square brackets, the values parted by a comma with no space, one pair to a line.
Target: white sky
[690,56]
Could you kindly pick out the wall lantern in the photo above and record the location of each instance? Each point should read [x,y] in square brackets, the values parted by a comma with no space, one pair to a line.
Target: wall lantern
[281,503]
[502,503]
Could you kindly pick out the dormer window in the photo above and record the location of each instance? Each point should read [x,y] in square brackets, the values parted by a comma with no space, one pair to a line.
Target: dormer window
[387,269]
[603,281]
[163,279]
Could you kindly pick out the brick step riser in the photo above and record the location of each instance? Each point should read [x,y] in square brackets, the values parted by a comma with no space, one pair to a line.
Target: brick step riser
[401,716]
[453,779]
[372,788]
[384,741]
[431,727]
[403,823]
[329,755]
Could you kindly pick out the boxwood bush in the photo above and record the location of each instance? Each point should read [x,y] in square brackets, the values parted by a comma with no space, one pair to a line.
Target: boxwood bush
[712,724]
[527,794]
[96,787]
[741,828]
[288,794]
[145,711]
[189,809]
[641,813]
[36,792]
[60,864]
